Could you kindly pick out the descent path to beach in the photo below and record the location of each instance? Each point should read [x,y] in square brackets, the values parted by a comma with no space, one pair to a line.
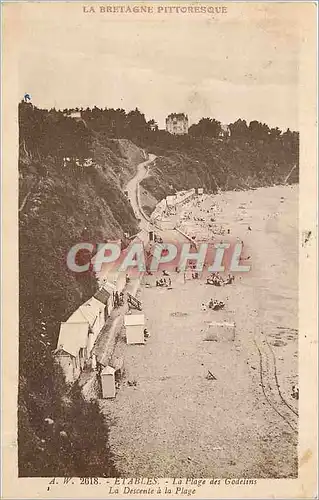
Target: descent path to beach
[175,422]
[132,188]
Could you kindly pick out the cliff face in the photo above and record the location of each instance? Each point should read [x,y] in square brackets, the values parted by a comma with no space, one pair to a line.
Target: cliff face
[119,157]
[187,162]
[62,204]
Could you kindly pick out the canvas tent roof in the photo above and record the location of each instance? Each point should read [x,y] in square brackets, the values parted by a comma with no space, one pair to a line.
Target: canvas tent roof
[108,370]
[109,287]
[171,200]
[133,319]
[72,337]
[60,352]
[87,312]
[102,295]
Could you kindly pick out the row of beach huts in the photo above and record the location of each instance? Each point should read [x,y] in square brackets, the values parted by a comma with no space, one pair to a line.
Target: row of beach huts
[78,334]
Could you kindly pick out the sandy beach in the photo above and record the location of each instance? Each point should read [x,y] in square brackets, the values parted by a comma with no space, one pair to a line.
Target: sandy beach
[176,421]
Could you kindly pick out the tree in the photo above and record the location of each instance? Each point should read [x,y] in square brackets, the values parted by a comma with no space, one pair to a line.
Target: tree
[258,131]
[275,133]
[206,127]
[239,129]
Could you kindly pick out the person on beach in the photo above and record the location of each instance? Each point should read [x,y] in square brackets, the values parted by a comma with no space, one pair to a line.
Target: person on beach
[146,334]
[229,279]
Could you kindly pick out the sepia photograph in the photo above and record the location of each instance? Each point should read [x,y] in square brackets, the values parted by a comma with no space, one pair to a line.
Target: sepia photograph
[159,243]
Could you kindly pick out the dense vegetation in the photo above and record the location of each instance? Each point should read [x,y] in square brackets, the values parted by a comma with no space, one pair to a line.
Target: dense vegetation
[60,205]
[116,123]
[248,156]
[252,156]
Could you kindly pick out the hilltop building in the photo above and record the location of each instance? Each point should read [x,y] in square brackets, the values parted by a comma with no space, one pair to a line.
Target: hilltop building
[177,123]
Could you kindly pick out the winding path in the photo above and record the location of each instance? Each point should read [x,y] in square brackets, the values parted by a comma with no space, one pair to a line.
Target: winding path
[146,224]
[133,194]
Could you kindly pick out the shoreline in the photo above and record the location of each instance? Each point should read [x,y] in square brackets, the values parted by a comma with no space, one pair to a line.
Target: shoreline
[231,427]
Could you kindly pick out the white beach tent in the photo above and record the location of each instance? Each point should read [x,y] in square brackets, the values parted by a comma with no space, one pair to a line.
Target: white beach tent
[72,352]
[91,312]
[134,328]
[108,382]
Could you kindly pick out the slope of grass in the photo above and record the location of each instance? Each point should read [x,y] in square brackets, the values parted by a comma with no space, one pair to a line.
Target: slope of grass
[62,206]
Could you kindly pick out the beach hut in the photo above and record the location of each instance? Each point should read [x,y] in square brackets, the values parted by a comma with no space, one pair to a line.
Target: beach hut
[134,328]
[91,312]
[105,297]
[72,353]
[108,382]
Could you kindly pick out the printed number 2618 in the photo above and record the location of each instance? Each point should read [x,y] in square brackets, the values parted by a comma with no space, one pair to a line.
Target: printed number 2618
[89,480]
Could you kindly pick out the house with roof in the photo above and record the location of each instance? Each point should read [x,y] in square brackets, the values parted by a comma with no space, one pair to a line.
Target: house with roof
[71,352]
[111,289]
[105,296]
[78,334]
[177,123]
[93,313]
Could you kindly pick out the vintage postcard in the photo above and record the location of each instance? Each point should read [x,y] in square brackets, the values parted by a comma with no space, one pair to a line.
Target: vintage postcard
[159,187]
